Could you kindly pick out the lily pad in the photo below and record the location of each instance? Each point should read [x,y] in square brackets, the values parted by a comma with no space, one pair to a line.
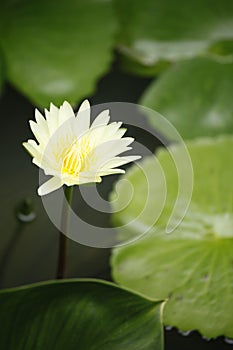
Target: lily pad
[192,266]
[130,65]
[83,314]
[171,30]
[195,96]
[56,50]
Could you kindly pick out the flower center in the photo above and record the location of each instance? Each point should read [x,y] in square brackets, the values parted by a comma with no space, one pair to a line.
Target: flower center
[76,157]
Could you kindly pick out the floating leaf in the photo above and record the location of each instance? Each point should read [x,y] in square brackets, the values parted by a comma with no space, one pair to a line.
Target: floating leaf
[130,65]
[78,314]
[195,96]
[56,50]
[192,266]
[156,30]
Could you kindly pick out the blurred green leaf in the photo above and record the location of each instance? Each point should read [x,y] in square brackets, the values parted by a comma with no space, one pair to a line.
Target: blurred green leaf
[156,30]
[192,266]
[56,50]
[130,65]
[78,314]
[195,96]
[223,48]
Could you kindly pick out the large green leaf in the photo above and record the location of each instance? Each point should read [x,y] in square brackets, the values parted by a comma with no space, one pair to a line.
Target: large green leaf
[154,30]
[192,266]
[78,314]
[56,50]
[195,96]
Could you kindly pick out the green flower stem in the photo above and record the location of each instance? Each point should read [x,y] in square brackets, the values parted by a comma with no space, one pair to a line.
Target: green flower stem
[63,238]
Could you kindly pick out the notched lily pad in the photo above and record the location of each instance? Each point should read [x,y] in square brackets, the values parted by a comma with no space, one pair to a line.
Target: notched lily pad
[192,266]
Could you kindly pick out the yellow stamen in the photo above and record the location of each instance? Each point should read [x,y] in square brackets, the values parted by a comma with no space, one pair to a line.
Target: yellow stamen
[76,157]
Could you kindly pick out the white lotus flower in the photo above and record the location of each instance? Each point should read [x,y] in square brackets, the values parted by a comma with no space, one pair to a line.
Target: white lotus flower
[74,152]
